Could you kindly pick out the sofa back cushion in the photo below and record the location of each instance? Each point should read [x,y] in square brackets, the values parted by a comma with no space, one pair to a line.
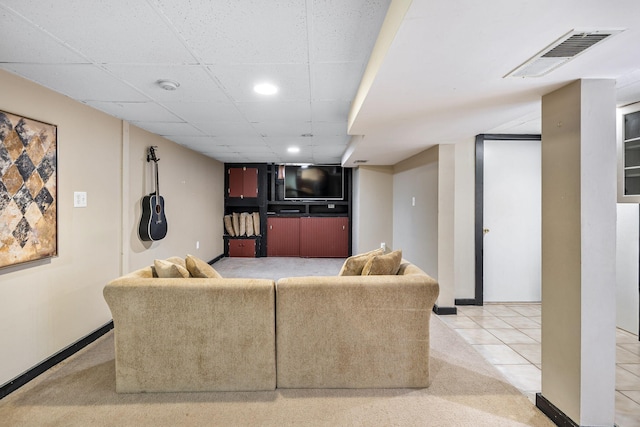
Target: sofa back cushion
[354,264]
[388,264]
[201,269]
[169,270]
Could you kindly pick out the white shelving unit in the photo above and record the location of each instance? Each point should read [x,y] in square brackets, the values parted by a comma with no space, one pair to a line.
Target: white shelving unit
[629,154]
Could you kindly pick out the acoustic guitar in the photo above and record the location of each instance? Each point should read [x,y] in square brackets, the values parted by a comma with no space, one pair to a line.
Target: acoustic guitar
[153,224]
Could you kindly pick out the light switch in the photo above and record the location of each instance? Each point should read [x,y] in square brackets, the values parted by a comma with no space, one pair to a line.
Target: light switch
[80,199]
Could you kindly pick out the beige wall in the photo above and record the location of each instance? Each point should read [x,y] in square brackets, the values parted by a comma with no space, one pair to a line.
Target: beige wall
[415,228]
[192,187]
[373,209]
[47,305]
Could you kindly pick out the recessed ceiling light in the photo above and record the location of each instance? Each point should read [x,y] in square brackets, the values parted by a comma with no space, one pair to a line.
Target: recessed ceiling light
[293,149]
[168,84]
[265,89]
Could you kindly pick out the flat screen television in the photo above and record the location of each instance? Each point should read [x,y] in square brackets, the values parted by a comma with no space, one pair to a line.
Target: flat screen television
[313,182]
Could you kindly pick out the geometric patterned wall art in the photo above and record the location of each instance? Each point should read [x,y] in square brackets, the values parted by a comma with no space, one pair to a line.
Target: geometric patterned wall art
[28,190]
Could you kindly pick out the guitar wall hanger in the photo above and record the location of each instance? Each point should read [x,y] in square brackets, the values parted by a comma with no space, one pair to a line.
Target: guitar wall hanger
[153,224]
[151,154]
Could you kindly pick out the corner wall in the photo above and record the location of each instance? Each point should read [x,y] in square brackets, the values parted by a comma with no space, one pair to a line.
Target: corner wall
[415,226]
[47,305]
[192,186]
[373,208]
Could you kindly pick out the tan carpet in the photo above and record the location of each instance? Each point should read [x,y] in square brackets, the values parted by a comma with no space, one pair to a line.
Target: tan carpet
[465,390]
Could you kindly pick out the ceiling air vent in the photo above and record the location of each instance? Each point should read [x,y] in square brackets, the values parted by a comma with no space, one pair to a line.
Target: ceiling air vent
[561,51]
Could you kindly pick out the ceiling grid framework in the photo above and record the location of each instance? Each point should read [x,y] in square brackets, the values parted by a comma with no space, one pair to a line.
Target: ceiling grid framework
[440,77]
[216,51]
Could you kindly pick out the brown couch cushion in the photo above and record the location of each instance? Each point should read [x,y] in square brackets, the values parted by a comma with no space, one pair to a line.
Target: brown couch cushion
[388,264]
[354,264]
[167,270]
[201,269]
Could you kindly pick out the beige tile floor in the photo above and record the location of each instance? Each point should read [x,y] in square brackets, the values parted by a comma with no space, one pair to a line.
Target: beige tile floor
[509,335]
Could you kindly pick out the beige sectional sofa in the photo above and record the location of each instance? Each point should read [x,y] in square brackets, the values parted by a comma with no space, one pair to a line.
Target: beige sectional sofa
[354,331]
[192,334]
[217,334]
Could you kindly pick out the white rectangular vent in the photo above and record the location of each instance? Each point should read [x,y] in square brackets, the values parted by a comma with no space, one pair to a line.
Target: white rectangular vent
[561,51]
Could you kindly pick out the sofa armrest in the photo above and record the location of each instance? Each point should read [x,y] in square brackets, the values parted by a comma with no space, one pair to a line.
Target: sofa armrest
[354,331]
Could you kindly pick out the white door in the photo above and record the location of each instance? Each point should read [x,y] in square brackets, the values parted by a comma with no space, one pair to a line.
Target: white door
[627,252]
[512,221]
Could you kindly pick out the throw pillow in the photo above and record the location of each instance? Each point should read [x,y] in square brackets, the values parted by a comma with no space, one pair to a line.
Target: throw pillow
[177,260]
[354,264]
[388,264]
[228,225]
[235,221]
[256,223]
[201,269]
[168,270]
[243,224]
[249,225]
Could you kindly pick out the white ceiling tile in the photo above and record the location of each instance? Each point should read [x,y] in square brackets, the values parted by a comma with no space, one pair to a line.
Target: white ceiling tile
[238,81]
[345,31]
[220,129]
[79,81]
[276,111]
[220,149]
[262,148]
[135,111]
[304,156]
[196,142]
[42,48]
[233,141]
[245,31]
[337,81]
[328,142]
[169,128]
[108,31]
[205,112]
[288,141]
[283,129]
[328,150]
[329,129]
[330,111]
[196,84]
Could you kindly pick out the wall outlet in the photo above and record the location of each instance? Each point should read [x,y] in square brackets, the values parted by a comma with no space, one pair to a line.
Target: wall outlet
[383,246]
[413,201]
[198,244]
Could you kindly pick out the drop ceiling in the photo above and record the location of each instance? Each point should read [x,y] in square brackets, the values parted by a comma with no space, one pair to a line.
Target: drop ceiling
[435,75]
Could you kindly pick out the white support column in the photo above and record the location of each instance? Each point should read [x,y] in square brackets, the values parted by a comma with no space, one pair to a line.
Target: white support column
[578,252]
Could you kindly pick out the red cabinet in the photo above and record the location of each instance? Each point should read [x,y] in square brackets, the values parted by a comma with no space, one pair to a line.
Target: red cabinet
[312,237]
[283,237]
[242,248]
[243,182]
[324,237]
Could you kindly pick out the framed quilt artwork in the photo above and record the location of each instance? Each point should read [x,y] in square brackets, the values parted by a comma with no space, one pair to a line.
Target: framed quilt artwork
[28,190]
